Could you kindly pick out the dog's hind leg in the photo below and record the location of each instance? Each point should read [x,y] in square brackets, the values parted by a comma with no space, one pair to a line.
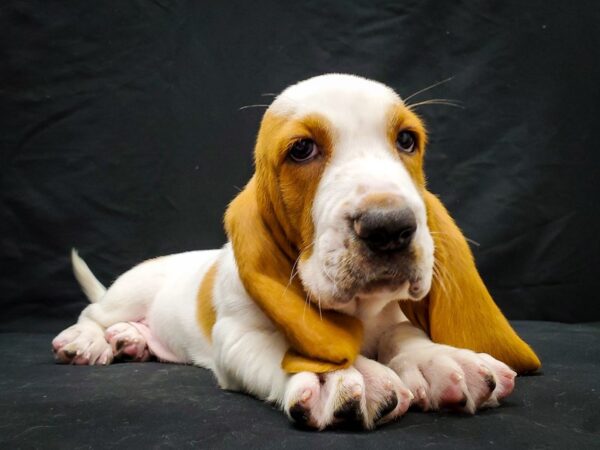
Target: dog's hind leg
[127,300]
[127,342]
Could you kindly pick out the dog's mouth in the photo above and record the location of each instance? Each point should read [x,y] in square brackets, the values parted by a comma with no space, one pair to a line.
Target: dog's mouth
[357,273]
[383,284]
[407,288]
[405,283]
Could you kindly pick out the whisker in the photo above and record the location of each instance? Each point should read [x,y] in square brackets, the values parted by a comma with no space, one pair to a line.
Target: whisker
[437,275]
[473,242]
[450,280]
[437,101]
[253,106]
[293,274]
[331,278]
[307,302]
[427,88]
[307,246]
[268,94]
[320,312]
[295,269]
[447,234]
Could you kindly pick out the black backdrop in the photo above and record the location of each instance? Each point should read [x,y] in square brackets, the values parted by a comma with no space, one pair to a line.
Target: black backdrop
[121,132]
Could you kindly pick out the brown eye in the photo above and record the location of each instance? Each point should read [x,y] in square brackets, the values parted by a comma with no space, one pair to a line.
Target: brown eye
[405,141]
[303,150]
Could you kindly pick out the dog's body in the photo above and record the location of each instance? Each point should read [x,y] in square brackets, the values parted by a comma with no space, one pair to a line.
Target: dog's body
[334,191]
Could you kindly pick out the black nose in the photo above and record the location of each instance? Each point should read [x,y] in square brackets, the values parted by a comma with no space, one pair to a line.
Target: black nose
[386,230]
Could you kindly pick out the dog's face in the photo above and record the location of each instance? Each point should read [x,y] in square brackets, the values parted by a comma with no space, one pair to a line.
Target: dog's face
[345,156]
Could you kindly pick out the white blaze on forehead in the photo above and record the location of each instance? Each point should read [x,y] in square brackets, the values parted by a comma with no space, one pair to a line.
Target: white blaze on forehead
[345,100]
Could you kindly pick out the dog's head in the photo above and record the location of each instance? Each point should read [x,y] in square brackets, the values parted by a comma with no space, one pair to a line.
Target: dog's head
[337,212]
[341,159]
[334,211]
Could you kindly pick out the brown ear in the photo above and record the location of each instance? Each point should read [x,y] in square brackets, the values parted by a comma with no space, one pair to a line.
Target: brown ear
[459,310]
[320,342]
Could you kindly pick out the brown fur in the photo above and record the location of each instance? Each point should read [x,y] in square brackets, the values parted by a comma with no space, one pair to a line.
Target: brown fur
[205,314]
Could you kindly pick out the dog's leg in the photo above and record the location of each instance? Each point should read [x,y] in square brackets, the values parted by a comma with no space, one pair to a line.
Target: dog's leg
[441,376]
[248,358]
[126,300]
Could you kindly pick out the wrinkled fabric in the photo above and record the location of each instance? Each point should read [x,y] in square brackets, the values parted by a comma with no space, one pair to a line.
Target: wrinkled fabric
[152,405]
[122,133]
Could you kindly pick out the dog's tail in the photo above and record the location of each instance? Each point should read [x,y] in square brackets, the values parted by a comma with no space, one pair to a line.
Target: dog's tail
[92,288]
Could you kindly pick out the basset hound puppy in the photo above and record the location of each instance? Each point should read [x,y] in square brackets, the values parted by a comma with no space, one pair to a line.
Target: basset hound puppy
[346,292]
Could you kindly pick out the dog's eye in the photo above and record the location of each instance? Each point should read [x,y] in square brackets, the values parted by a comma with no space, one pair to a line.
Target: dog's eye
[405,141]
[303,150]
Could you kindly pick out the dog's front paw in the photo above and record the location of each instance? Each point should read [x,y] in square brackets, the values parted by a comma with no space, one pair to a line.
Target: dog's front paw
[361,396]
[387,396]
[82,344]
[440,376]
[318,401]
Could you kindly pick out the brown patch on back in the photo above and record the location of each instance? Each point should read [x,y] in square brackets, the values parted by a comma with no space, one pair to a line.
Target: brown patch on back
[205,311]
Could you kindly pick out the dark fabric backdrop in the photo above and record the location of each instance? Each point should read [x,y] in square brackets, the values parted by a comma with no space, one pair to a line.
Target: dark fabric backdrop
[121,132]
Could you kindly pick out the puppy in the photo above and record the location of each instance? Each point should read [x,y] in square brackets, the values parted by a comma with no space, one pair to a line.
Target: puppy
[345,287]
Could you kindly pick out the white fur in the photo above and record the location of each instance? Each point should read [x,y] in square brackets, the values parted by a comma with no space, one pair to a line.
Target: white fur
[246,349]
[346,181]
[92,288]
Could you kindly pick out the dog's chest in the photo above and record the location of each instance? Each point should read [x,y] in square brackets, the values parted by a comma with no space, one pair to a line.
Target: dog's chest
[377,315]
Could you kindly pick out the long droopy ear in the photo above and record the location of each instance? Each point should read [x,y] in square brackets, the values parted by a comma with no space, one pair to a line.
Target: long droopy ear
[321,342]
[459,310]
